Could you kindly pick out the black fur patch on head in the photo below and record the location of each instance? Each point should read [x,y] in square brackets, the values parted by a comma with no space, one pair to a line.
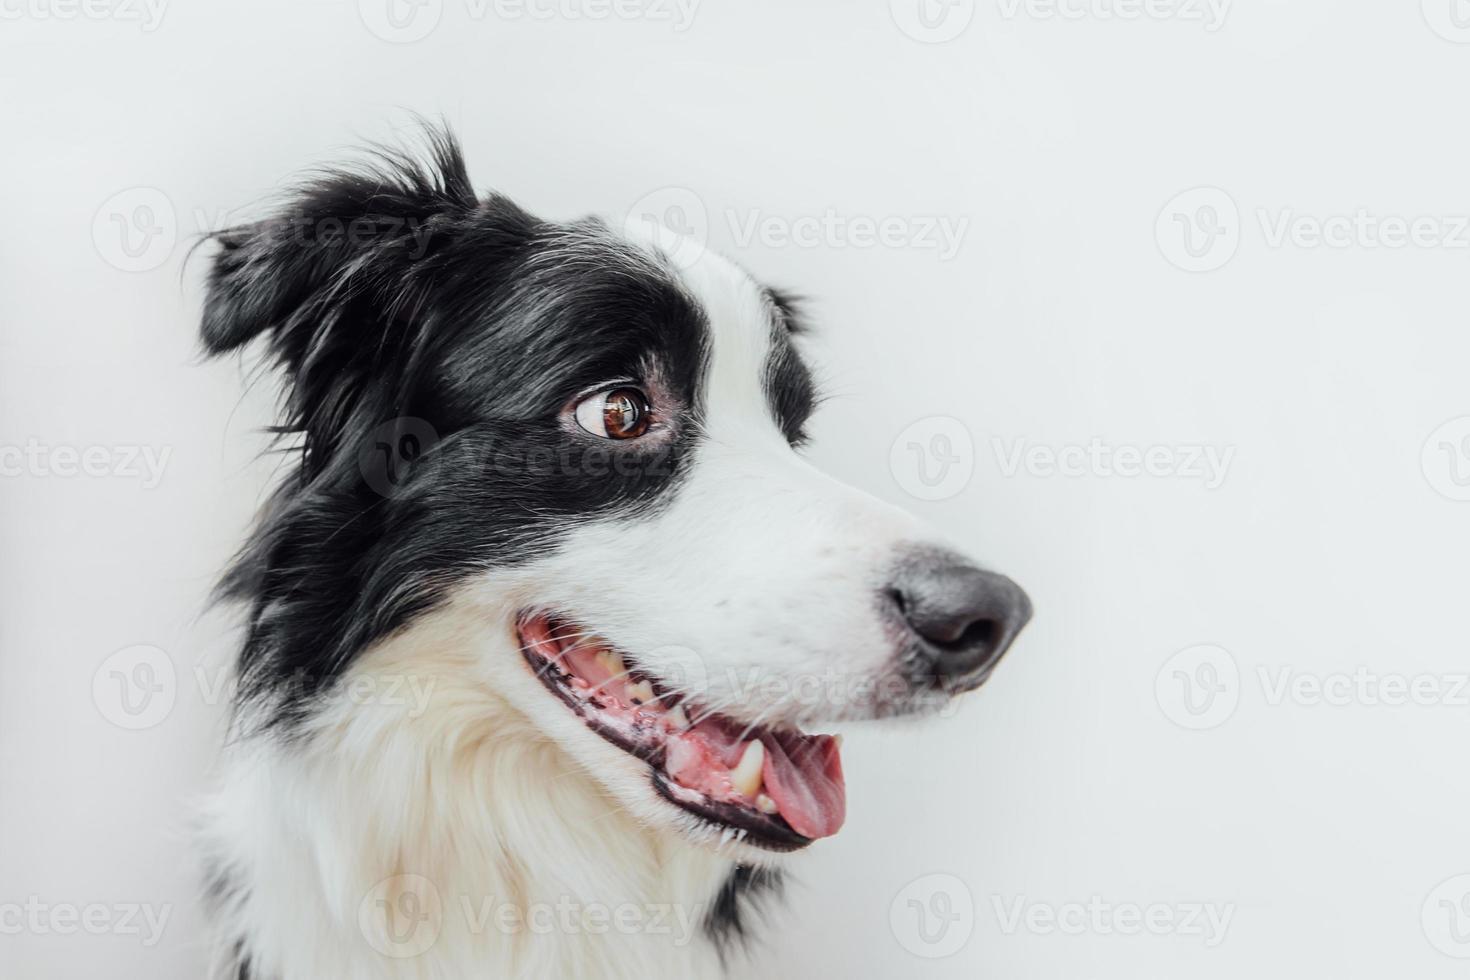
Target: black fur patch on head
[788,382]
[430,342]
[728,922]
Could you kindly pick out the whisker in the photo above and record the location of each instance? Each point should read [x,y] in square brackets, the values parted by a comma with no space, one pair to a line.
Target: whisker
[755,724]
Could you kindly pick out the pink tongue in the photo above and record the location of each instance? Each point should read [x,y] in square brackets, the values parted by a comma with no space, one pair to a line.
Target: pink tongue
[803,775]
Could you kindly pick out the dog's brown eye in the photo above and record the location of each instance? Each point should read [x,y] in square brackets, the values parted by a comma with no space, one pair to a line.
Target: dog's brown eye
[621,413]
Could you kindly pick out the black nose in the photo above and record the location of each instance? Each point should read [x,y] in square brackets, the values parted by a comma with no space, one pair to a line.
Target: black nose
[962,617]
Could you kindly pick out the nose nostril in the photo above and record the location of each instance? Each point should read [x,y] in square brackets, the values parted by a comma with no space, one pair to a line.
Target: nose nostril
[963,617]
[979,635]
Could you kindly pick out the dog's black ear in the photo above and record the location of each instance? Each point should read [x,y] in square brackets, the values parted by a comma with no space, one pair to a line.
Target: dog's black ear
[344,260]
[349,285]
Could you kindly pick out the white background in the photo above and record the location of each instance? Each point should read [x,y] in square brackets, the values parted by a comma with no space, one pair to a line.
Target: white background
[1333,543]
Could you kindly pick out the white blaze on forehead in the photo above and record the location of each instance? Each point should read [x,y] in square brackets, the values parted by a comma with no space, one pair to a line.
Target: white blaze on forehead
[740,334]
[741,326]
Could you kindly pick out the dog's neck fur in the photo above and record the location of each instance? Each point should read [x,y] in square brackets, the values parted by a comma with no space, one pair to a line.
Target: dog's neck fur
[461,810]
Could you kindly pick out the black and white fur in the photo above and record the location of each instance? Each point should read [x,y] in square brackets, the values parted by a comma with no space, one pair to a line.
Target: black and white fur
[418,324]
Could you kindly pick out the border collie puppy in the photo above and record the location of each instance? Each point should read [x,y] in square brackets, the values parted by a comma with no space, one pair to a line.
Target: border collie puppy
[542,616]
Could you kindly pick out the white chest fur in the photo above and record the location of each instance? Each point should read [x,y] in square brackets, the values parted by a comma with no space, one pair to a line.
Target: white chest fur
[420,827]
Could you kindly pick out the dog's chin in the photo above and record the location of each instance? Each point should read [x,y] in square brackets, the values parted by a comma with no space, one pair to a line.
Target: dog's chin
[758,790]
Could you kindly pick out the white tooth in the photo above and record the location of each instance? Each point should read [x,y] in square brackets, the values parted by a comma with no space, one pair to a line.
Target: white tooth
[765,804]
[611,661]
[678,718]
[746,776]
[837,741]
[641,692]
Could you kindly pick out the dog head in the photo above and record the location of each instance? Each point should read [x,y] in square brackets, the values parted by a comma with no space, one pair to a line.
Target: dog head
[595,453]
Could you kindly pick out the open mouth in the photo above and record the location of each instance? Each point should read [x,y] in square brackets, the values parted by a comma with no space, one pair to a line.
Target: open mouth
[771,786]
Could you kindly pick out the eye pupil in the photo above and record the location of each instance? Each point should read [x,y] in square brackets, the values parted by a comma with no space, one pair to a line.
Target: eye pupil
[615,413]
[625,413]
